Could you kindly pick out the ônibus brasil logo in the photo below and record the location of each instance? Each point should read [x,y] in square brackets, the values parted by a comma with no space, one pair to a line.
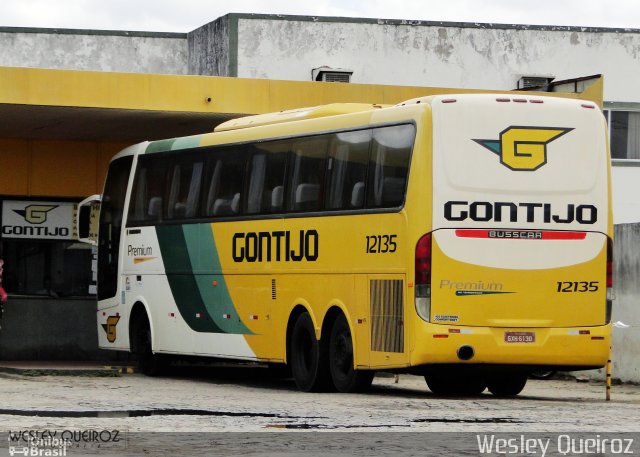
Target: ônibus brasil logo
[523,148]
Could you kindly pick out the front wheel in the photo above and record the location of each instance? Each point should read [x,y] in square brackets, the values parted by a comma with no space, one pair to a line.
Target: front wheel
[149,363]
[309,365]
[345,377]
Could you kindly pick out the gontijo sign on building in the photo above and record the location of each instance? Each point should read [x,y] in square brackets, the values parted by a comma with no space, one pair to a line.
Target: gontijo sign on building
[37,219]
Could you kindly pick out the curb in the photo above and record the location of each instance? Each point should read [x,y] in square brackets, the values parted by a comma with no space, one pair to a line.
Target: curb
[104,372]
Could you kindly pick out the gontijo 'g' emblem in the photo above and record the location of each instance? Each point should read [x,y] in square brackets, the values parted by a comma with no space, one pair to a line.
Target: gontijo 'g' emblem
[110,327]
[35,214]
[523,148]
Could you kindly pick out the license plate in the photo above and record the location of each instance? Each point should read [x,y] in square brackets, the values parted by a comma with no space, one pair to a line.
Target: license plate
[520,337]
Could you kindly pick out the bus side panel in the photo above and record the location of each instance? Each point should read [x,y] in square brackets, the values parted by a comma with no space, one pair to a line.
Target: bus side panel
[272,266]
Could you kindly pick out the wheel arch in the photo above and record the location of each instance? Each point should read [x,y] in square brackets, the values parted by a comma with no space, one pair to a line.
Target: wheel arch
[139,310]
[330,317]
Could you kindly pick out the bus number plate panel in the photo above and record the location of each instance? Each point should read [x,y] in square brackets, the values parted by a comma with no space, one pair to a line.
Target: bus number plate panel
[519,337]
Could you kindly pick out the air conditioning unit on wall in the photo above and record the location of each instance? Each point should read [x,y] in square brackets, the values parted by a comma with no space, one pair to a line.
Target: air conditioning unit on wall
[332,75]
[529,82]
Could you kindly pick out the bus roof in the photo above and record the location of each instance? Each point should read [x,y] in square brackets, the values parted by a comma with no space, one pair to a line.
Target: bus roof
[298,114]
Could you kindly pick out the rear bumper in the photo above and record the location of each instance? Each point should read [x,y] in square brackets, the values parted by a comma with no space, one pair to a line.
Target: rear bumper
[566,348]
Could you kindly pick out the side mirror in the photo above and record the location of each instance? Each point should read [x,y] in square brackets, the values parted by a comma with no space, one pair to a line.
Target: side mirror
[87,220]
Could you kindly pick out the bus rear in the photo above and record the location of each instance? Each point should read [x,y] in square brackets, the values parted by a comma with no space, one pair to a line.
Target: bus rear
[516,272]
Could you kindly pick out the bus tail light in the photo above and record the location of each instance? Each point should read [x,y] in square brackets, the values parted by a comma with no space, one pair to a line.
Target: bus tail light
[610,294]
[423,277]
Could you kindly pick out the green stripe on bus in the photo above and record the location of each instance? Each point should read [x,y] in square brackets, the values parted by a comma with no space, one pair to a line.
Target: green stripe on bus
[174,144]
[182,282]
[213,288]
[190,259]
[160,146]
[188,142]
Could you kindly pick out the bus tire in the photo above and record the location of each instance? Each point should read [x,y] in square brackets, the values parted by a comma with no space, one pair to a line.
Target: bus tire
[309,365]
[343,374]
[507,385]
[149,363]
[455,385]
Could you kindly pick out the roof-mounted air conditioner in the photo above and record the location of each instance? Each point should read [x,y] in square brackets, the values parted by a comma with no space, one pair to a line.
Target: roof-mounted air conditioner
[529,82]
[333,75]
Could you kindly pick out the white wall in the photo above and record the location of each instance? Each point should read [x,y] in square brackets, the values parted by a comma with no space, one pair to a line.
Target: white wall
[88,50]
[626,341]
[626,196]
[431,55]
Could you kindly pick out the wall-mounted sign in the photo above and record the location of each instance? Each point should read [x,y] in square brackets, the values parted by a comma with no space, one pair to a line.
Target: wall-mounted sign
[41,220]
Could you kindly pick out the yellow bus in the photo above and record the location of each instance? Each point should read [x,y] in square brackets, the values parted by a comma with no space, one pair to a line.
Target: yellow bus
[465,238]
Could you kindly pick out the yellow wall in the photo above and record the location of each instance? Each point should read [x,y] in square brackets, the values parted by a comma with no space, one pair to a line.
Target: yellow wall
[36,86]
[54,168]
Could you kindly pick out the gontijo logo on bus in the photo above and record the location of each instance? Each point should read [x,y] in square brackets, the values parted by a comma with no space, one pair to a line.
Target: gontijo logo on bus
[277,246]
[523,148]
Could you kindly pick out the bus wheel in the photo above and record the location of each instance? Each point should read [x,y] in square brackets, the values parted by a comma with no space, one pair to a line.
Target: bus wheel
[345,377]
[507,385]
[149,363]
[455,385]
[308,356]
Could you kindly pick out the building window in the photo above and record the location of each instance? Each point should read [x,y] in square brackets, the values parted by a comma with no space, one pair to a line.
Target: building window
[53,269]
[40,253]
[624,133]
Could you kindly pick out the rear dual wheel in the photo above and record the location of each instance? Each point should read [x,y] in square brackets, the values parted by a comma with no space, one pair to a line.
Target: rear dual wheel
[321,365]
[455,385]
[345,377]
[507,385]
[469,384]
[309,357]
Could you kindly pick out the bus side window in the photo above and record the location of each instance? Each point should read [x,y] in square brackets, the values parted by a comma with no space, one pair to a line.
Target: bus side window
[214,184]
[173,207]
[184,189]
[307,175]
[389,165]
[148,189]
[347,170]
[266,178]
[194,189]
[256,183]
[139,197]
[273,196]
[225,184]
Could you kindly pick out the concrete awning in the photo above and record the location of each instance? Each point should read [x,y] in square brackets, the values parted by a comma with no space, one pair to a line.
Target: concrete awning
[131,107]
[101,124]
